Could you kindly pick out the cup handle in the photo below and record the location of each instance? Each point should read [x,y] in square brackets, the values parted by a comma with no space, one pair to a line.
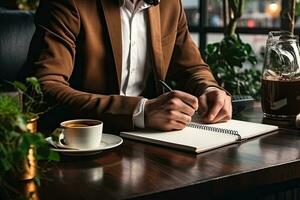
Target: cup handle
[55,135]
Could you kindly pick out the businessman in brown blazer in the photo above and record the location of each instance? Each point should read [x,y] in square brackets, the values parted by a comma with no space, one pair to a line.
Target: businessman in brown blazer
[103,59]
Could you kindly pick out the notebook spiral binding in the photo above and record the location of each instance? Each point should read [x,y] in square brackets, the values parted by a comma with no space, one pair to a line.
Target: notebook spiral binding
[215,129]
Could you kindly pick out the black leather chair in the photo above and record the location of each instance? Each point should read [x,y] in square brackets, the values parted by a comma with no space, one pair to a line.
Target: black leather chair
[16,30]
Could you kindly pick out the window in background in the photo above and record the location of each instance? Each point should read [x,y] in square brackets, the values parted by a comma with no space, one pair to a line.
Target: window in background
[192,11]
[191,8]
[259,17]
[257,41]
[259,13]
[214,13]
[196,38]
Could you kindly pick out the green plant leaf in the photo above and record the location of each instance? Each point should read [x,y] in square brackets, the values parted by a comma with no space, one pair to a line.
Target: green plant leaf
[20,86]
[211,48]
[43,153]
[252,60]
[227,59]
[25,141]
[53,156]
[20,122]
[14,136]
[248,49]
[33,81]
[5,165]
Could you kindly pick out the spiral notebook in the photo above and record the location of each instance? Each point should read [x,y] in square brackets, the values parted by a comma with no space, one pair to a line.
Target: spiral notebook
[203,137]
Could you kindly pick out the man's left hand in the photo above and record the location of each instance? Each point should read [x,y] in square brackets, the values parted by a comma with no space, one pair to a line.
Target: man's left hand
[214,106]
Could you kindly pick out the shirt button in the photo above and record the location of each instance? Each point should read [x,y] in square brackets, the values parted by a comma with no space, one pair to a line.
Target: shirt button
[133,43]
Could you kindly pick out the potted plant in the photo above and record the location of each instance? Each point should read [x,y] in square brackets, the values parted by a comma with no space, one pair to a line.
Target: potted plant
[31,98]
[21,145]
[227,58]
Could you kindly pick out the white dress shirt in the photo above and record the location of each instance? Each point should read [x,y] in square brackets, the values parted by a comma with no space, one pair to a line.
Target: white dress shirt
[135,68]
[135,62]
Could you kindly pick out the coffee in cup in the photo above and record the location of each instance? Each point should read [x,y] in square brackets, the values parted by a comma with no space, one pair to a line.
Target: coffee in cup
[82,133]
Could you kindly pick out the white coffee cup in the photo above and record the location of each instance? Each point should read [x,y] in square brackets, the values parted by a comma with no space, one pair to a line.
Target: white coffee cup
[82,133]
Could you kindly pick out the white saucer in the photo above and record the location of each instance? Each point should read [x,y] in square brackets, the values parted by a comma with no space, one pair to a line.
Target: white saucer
[108,141]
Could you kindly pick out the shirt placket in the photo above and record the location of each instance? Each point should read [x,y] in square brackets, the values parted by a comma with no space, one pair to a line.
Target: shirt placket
[133,52]
[134,15]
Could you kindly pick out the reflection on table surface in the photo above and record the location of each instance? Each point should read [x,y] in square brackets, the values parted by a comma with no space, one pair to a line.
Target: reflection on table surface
[137,169]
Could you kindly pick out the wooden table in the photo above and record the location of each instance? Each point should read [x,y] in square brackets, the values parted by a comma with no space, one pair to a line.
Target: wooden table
[261,168]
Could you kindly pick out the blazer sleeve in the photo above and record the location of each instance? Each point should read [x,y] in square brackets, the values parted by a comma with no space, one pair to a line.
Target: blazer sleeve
[187,67]
[52,55]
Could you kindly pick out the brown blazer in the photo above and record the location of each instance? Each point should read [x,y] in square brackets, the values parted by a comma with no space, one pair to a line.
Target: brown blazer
[76,54]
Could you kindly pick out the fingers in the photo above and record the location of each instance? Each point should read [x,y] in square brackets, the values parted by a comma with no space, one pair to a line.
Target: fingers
[188,99]
[225,113]
[215,108]
[178,117]
[172,111]
[220,108]
[176,120]
[179,108]
[167,120]
[176,104]
[173,125]
[203,107]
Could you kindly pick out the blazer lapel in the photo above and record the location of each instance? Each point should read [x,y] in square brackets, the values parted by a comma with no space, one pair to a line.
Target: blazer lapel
[155,40]
[111,10]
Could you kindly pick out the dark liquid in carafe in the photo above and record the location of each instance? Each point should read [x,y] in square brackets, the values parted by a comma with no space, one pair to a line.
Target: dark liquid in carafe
[280,97]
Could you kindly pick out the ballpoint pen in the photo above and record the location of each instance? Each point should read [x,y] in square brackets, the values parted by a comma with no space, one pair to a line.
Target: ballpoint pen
[165,86]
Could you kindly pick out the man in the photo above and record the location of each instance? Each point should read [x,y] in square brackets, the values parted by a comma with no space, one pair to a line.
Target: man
[98,57]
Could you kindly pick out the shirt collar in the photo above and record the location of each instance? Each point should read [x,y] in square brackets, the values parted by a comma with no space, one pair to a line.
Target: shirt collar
[122,2]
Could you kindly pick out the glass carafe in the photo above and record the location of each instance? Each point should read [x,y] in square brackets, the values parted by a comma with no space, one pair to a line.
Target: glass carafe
[281,76]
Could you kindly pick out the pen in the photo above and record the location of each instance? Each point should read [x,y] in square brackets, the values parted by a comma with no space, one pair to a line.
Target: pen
[165,86]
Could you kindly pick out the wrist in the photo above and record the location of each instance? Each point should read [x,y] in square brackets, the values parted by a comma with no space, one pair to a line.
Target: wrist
[139,114]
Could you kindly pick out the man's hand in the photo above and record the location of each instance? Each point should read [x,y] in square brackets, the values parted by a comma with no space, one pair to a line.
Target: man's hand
[170,111]
[215,106]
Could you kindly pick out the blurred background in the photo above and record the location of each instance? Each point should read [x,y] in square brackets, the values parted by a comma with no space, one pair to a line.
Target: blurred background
[206,24]
[205,19]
